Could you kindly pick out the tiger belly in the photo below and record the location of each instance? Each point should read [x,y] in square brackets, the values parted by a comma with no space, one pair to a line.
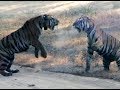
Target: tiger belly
[107,52]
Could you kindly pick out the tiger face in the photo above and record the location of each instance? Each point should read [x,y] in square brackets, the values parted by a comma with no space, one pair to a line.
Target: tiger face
[83,24]
[49,22]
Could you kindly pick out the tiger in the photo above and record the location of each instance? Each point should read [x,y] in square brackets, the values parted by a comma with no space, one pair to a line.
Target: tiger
[99,41]
[21,39]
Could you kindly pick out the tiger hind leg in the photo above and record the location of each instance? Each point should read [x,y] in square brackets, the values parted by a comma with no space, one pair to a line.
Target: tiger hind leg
[118,63]
[9,66]
[106,64]
[3,71]
[10,70]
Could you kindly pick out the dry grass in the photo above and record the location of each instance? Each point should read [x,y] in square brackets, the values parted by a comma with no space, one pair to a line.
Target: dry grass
[66,48]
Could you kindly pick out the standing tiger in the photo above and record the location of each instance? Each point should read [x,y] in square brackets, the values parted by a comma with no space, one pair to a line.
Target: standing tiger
[98,40]
[21,39]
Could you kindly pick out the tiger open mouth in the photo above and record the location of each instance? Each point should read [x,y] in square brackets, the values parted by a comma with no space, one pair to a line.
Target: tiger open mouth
[78,29]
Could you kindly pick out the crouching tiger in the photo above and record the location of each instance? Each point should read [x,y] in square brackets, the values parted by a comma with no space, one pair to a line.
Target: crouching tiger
[98,40]
[21,39]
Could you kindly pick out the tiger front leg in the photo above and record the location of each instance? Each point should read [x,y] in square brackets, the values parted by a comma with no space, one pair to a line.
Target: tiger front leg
[88,60]
[43,52]
[36,52]
[38,46]
[11,70]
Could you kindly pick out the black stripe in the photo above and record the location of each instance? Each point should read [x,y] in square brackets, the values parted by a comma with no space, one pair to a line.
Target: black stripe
[5,55]
[105,44]
[21,41]
[16,40]
[110,46]
[12,43]
[4,58]
[4,41]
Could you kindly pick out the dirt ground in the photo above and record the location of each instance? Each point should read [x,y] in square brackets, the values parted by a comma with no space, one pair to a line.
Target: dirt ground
[34,78]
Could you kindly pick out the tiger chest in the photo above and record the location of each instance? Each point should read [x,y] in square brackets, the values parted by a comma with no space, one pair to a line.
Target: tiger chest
[95,43]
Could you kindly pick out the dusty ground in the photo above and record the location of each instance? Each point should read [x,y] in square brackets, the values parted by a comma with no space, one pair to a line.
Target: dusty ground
[34,78]
[66,48]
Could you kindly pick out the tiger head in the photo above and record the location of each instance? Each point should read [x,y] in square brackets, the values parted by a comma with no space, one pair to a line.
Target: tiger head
[49,22]
[84,23]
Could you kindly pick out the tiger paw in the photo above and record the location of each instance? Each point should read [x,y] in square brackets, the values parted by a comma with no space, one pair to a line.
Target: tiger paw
[87,70]
[13,71]
[106,69]
[44,55]
[36,55]
[5,73]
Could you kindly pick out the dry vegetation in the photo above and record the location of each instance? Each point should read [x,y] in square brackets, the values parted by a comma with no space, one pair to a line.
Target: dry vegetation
[66,48]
